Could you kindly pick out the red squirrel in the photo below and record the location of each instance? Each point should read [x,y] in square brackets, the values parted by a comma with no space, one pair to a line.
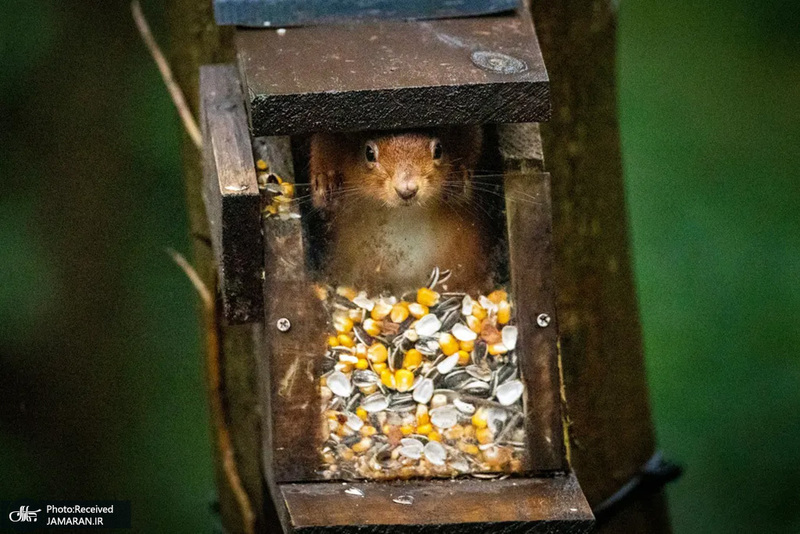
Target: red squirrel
[399,204]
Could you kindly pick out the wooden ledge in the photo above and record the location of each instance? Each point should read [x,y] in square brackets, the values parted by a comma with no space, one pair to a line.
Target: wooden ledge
[546,505]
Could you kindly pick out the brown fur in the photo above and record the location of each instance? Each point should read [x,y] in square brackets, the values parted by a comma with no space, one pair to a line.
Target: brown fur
[380,241]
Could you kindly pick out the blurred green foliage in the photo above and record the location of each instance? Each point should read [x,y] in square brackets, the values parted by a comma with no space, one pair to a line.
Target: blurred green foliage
[101,387]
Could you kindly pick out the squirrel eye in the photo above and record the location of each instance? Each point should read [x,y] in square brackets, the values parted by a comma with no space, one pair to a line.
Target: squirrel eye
[369,153]
[437,150]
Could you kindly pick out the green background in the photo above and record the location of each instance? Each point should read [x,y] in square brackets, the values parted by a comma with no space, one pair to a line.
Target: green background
[101,382]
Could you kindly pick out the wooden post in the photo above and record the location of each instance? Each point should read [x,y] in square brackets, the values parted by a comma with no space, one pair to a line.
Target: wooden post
[611,431]
[196,40]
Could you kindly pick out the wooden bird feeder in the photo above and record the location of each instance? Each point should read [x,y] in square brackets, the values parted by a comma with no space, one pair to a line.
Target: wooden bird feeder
[383,75]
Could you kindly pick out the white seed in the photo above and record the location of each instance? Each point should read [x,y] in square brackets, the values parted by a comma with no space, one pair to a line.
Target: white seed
[375,403]
[463,333]
[411,448]
[354,422]
[495,418]
[460,465]
[466,305]
[438,400]
[447,365]
[487,304]
[348,358]
[423,391]
[428,325]
[464,407]
[340,384]
[354,492]
[509,334]
[362,301]
[509,392]
[435,453]
[404,499]
[444,416]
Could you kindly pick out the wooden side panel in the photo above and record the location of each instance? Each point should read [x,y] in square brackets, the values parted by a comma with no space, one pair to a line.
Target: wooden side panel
[291,358]
[531,253]
[231,194]
[466,506]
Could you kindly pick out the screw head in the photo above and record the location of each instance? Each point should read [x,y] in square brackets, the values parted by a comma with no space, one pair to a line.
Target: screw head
[498,62]
[543,320]
[283,324]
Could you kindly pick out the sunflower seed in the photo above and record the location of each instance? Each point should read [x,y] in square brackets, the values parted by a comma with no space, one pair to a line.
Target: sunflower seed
[509,392]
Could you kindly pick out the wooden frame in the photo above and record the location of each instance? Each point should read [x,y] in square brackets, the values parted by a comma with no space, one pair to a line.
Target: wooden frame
[545,499]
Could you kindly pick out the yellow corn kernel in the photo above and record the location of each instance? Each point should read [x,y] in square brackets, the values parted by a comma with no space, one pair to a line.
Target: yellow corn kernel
[345,340]
[361,351]
[474,324]
[407,429]
[412,359]
[463,357]
[456,432]
[417,310]
[368,430]
[262,165]
[469,432]
[448,343]
[404,379]
[503,312]
[342,324]
[495,349]
[479,418]
[377,353]
[320,291]
[399,313]
[323,381]
[483,435]
[368,390]
[362,364]
[497,296]
[386,428]
[466,346]
[424,429]
[435,436]
[363,445]
[422,414]
[333,341]
[347,454]
[362,413]
[478,311]
[379,367]
[372,327]
[467,448]
[287,189]
[344,367]
[387,378]
[346,292]
[355,315]
[427,297]
[380,310]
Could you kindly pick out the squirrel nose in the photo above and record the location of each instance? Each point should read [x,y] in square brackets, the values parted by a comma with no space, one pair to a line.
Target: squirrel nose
[407,191]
